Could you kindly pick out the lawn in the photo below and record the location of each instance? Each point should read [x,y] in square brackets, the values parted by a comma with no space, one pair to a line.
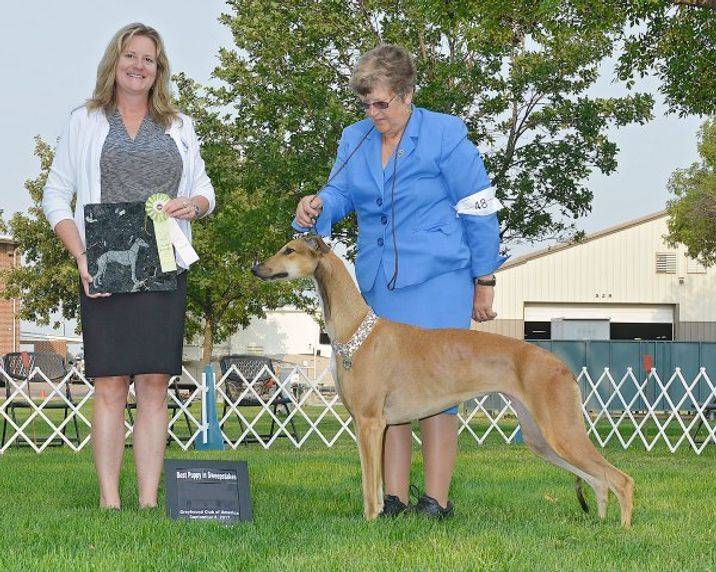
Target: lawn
[513,512]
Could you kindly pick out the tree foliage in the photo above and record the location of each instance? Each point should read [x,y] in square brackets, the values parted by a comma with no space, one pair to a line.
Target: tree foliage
[692,211]
[517,72]
[676,41]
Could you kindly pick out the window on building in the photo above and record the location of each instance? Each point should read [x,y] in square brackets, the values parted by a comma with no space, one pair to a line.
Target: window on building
[666,263]
[538,330]
[617,331]
[323,339]
[640,331]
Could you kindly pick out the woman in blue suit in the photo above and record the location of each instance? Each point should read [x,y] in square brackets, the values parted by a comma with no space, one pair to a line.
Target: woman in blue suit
[428,240]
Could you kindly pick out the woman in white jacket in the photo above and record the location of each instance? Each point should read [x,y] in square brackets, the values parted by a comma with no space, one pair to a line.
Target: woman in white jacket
[127,143]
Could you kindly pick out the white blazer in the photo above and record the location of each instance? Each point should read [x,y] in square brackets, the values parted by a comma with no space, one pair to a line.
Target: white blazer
[76,170]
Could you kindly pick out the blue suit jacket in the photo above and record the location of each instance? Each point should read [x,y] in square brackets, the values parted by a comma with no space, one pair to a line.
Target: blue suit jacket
[437,166]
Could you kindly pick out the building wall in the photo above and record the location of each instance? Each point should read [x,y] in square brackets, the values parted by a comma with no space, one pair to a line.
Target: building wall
[510,328]
[9,325]
[283,331]
[615,268]
[55,346]
[696,331]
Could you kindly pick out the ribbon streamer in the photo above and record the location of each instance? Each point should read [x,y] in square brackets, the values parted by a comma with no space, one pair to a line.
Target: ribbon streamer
[168,234]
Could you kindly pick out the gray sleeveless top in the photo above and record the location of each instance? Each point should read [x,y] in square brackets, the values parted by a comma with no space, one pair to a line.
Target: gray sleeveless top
[134,170]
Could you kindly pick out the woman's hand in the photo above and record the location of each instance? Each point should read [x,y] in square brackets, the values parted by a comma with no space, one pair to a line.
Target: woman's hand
[308,209]
[181,207]
[86,277]
[482,303]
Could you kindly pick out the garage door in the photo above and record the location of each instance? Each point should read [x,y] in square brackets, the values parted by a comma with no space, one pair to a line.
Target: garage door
[623,313]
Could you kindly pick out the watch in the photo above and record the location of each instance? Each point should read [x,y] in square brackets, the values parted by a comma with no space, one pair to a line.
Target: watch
[490,282]
[197,211]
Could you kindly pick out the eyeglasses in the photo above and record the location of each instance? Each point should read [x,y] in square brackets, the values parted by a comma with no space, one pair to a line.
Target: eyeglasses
[376,104]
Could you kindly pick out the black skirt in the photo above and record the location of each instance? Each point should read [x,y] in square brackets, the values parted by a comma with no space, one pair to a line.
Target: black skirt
[127,334]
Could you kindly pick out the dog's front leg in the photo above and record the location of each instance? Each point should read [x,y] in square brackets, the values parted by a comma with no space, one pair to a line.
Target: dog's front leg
[370,434]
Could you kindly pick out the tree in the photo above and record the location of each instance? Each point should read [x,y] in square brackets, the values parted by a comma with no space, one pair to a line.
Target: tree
[676,40]
[223,295]
[692,213]
[517,72]
[47,281]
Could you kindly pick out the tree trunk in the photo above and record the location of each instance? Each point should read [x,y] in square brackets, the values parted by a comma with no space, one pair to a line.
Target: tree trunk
[208,343]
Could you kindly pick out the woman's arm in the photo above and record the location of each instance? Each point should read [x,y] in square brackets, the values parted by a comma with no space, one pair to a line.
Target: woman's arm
[473,197]
[57,202]
[61,185]
[333,203]
[474,200]
[67,231]
[202,199]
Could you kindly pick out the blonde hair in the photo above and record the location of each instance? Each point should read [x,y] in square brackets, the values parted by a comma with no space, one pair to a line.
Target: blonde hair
[161,108]
[388,64]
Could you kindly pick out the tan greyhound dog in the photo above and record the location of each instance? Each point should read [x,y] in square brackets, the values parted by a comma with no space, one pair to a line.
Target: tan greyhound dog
[393,373]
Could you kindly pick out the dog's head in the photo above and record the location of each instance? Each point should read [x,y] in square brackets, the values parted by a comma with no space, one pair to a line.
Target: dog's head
[297,259]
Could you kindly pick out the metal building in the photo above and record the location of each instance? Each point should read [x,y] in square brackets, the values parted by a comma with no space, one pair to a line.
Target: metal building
[622,283]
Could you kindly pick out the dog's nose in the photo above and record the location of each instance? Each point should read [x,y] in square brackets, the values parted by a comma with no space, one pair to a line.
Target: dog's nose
[255,268]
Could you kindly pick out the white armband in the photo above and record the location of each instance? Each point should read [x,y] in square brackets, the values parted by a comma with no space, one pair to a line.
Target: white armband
[482,203]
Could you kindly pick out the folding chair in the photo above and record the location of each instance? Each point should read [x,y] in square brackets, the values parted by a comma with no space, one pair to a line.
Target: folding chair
[710,414]
[19,366]
[175,386]
[265,386]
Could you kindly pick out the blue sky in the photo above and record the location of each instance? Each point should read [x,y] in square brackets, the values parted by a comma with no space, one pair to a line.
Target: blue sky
[50,51]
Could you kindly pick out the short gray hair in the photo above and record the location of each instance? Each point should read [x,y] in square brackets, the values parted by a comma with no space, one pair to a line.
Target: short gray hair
[386,64]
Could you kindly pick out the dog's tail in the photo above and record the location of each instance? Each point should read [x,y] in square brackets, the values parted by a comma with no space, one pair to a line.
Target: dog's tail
[580,494]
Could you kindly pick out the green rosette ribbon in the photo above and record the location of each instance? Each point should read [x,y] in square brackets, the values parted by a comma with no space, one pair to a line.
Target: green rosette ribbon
[162,230]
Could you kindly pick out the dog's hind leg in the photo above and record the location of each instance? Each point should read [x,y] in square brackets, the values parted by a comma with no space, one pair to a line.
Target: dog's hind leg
[558,436]
[370,433]
[536,442]
[101,265]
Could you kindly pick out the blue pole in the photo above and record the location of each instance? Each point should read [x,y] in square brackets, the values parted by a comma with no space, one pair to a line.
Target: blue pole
[518,440]
[214,441]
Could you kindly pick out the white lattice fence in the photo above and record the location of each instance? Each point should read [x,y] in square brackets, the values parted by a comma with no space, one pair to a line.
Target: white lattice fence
[626,409]
[40,412]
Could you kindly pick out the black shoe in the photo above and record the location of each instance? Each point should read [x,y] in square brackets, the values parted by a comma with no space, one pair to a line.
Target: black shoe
[393,506]
[429,507]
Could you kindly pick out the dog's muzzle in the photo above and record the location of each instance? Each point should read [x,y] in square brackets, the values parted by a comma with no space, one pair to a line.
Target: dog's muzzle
[256,271]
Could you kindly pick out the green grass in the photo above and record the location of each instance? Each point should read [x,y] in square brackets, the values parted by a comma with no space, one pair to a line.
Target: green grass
[514,512]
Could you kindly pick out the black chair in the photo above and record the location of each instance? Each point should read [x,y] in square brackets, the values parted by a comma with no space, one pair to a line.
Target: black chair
[265,386]
[710,414]
[19,366]
[176,386]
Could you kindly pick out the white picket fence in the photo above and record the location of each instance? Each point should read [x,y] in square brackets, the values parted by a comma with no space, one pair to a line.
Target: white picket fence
[631,411]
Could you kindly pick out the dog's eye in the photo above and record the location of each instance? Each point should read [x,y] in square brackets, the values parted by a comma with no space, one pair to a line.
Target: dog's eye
[288,250]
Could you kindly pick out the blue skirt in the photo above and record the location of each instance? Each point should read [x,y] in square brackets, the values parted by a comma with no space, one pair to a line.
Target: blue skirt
[441,302]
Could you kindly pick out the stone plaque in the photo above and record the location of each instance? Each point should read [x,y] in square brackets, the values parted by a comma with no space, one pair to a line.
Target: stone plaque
[122,250]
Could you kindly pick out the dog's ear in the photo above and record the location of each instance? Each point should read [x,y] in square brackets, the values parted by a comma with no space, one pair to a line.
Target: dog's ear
[316,243]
